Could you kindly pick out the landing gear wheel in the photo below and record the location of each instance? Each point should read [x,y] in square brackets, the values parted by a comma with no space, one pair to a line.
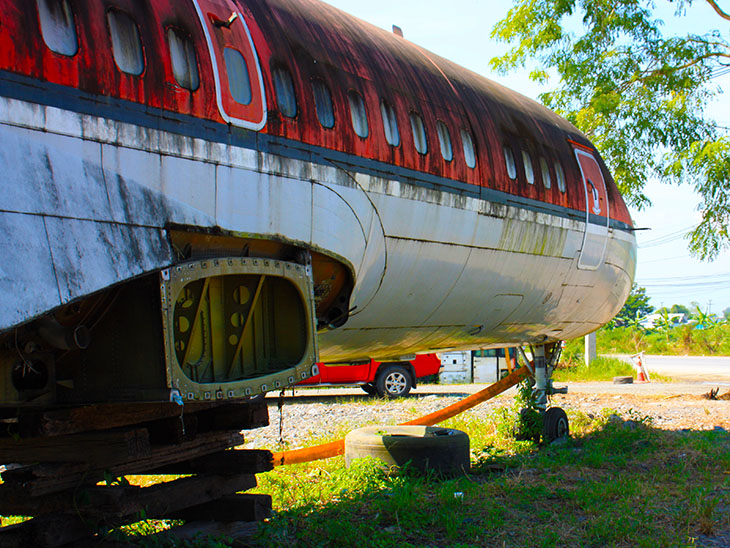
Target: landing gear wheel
[554,425]
[393,381]
[369,388]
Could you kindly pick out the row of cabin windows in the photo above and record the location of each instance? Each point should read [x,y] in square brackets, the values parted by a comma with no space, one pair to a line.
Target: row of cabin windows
[59,33]
[547,180]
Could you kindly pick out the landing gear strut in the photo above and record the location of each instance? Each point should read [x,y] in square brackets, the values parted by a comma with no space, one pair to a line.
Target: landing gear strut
[554,420]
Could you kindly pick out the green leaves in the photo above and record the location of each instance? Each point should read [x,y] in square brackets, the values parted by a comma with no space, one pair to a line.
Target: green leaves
[639,95]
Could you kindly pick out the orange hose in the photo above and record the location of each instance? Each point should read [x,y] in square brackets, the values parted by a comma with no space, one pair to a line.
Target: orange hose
[335,448]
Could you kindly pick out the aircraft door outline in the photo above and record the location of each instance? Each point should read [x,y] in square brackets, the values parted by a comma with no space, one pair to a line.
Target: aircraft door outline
[595,236]
[226,30]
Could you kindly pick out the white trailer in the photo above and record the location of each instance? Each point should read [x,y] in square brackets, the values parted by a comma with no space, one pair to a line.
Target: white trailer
[475,366]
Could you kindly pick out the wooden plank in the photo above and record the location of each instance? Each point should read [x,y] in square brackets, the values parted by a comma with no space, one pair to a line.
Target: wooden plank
[243,414]
[49,478]
[239,507]
[92,447]
[234,461]
[197,532]
[56,422]
[117,503]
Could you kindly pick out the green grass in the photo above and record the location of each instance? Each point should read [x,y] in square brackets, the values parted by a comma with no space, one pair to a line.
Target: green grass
[614,484]
[602,368]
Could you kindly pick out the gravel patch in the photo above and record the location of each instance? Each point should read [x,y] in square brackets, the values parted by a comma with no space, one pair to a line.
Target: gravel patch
[315,413]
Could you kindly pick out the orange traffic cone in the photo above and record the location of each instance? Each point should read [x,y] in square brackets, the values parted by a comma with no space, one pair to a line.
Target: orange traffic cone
[641,375]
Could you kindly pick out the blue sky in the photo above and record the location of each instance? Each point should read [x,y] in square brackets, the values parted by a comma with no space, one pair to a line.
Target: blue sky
[459,30]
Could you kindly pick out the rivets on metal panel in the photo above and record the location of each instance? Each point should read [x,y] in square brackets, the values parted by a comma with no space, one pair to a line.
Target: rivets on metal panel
[219,395]
[277,384]
[315,370]
[291,380]
[207,395]
[247,391]
[231,393]
[304,374]
[264,388]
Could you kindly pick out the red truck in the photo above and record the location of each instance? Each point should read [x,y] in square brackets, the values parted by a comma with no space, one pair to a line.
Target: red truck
[387,379]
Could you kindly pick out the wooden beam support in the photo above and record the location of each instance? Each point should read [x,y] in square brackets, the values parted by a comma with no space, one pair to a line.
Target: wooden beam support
[93,448]
[239,507]
[51,478]
[235,461]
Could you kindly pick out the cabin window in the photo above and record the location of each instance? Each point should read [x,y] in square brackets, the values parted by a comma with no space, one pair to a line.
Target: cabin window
[126,44]
[184,61]
[323,103]
[239,82]
[546,179]
[57,26]
[529,171]
[286,98]
[468,144]
[509,159]
[390,124]
[444,141]
[358,114]
[419,133]
[560,176]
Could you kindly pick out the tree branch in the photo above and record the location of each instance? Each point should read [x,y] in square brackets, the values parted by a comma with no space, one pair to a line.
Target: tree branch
[717,9]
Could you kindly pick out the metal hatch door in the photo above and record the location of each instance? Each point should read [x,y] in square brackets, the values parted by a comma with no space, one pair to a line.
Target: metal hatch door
[239,84]
[597,218]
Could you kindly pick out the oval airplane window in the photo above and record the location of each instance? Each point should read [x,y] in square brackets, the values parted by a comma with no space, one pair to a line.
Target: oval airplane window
[390,124]
[419,133]
[529,171]
[323,103]
[444,141]
[468,144]
[286,98]
[238,81]
[126,45]
[57,26]
[184,61]
[358,114]
[560,176]
[546,179]
[509,159]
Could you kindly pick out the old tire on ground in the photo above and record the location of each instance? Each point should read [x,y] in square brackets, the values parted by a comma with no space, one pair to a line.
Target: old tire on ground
[443,450]
[554,425]
[623,380]
[393,381]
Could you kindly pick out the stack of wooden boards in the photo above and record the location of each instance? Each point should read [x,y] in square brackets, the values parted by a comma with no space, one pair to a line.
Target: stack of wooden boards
[66,468]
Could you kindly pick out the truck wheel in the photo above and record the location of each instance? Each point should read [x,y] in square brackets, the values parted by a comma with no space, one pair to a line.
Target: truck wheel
[443,450]
[393,381]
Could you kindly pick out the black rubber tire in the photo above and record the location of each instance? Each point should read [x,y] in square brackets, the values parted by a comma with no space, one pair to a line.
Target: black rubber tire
[369,388]
[623,380]
[443,450]
[393,381]
[555,425]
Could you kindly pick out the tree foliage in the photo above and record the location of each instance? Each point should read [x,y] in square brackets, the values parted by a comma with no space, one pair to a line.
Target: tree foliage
[639,94]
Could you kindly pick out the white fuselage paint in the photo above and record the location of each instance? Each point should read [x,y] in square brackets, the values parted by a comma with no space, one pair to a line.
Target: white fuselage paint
[85,202]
